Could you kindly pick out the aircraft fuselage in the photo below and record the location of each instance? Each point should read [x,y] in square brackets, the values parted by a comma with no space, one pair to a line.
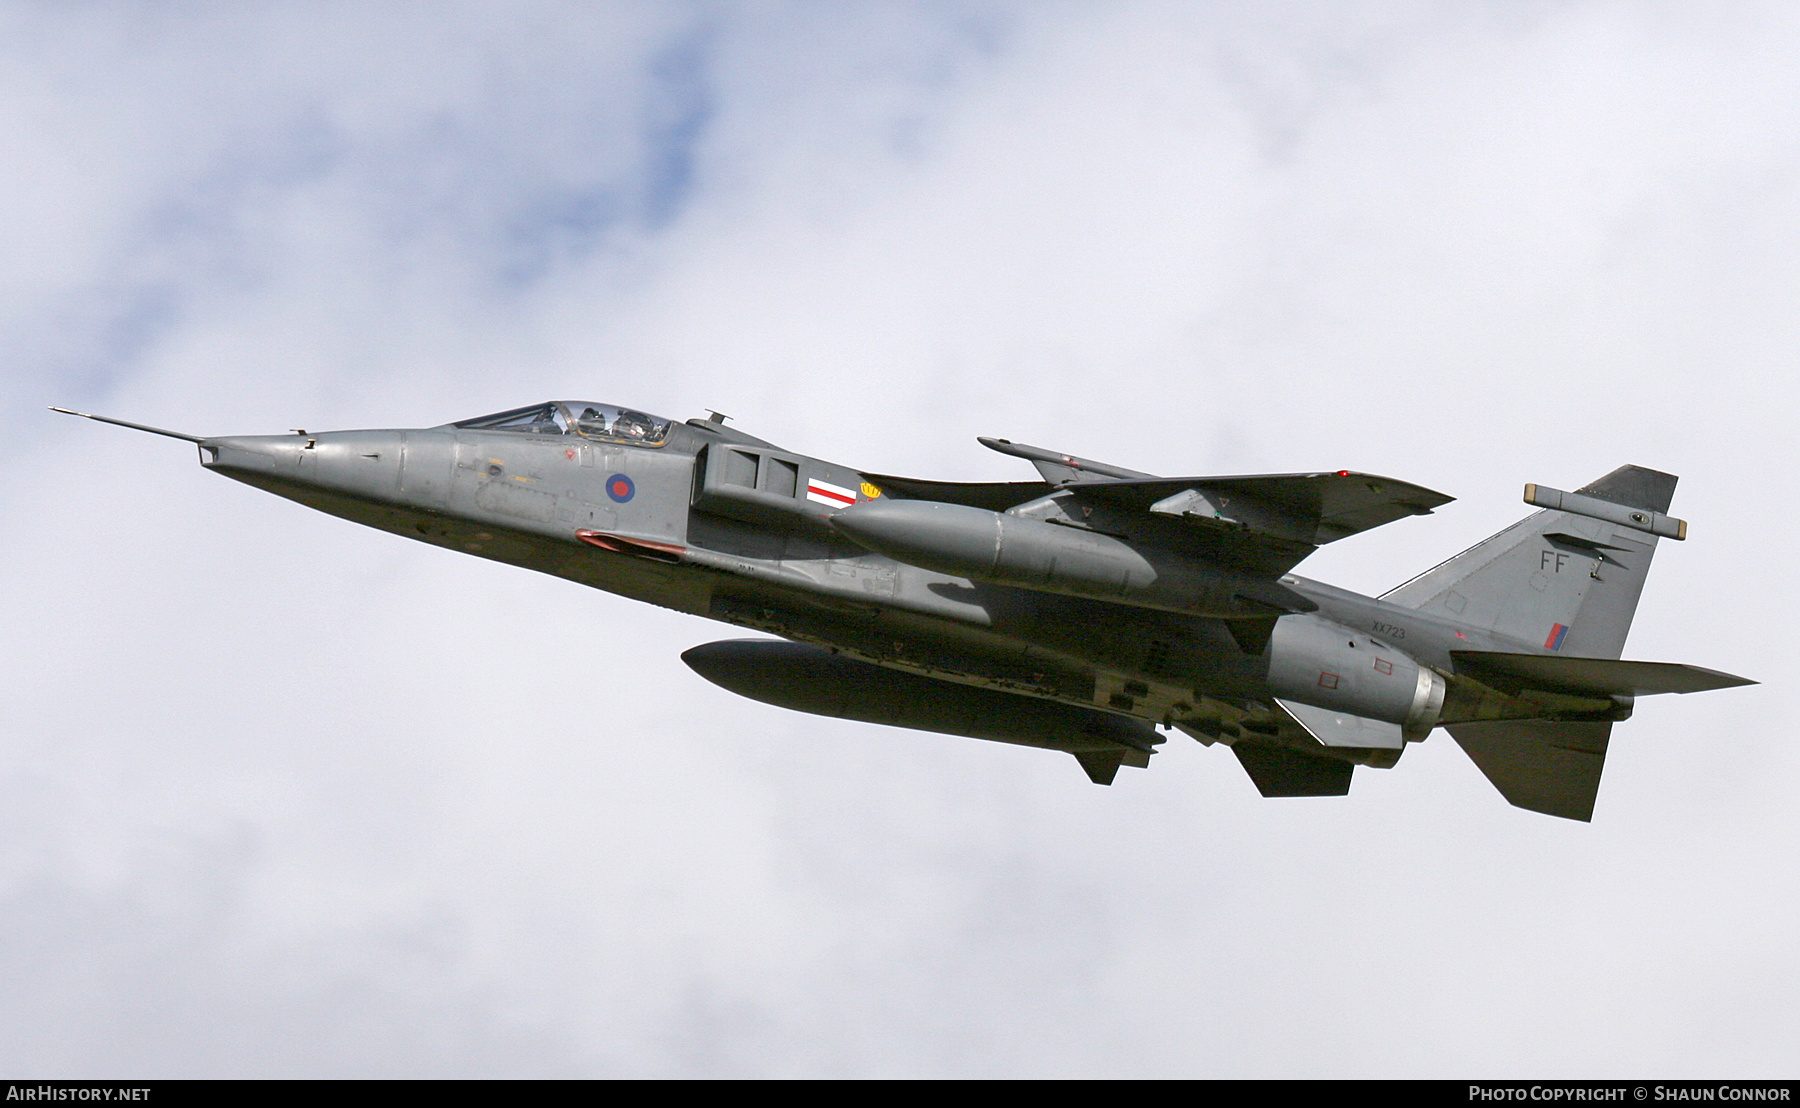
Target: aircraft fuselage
[629,520]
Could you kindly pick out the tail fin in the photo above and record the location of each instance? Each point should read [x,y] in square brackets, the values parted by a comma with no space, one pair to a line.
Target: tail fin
[1544,766]
[1567,582]
[1571,583]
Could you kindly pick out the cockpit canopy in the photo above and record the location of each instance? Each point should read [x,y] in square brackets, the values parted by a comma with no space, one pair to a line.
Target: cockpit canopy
[605,422]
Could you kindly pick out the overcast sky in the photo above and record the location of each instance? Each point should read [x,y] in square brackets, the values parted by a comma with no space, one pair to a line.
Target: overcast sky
[284,796]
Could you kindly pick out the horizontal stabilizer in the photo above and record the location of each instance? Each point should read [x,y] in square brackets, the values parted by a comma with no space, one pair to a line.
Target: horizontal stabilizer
[1589,676]
[1539,765]
[1279,771]
[1341,729]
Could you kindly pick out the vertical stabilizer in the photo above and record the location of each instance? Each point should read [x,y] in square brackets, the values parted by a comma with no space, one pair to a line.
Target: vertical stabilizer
[1556,580]
[1540,765]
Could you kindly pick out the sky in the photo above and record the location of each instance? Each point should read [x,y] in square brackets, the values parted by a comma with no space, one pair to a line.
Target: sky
[283,796]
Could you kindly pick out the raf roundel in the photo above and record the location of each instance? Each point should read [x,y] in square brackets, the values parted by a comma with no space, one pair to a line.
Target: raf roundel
[620,488]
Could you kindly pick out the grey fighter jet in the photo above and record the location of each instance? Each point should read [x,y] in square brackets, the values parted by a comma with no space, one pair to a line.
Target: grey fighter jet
[1078,612]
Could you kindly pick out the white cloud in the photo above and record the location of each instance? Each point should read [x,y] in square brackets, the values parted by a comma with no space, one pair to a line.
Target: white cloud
[286,796]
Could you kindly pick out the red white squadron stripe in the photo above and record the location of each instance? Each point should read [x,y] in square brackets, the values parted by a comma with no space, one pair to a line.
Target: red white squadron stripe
[832,496]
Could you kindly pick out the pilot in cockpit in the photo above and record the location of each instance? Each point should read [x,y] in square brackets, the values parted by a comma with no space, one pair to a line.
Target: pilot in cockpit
[632,426]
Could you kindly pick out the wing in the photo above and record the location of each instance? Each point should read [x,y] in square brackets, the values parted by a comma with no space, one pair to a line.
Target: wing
[1264,524]
[1310,508]
[995,496]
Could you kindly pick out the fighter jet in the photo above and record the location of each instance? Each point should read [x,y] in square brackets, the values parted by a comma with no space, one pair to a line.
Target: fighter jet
[1087,611]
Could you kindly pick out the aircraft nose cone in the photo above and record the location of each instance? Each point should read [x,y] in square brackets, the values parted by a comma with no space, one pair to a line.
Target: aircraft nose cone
[360,463]
[952,538]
